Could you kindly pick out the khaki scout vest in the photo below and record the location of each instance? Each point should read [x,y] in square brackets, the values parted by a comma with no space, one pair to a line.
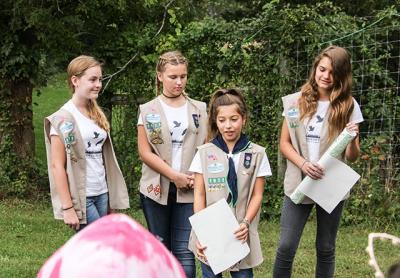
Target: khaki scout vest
[215,168]
[297,131]
[153,184]
[75,166]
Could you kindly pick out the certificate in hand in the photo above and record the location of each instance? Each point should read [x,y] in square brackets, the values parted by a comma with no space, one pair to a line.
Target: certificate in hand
[214,227]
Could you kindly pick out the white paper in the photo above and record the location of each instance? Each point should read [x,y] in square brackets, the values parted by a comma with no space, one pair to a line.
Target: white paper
[330,190]
[214,227]
[334,150]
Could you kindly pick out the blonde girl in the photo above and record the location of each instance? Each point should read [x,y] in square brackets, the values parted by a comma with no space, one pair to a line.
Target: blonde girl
[314,117]
[170,127]
[85,179]
[234,168]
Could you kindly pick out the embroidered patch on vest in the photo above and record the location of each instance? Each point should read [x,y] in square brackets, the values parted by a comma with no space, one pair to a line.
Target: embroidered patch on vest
[66,127]
[211,156]
[215,184]
[155,137]
[153,118]
[215,168]
[196,120]
[153,125]
[247,160]
[157,189]
[293,117]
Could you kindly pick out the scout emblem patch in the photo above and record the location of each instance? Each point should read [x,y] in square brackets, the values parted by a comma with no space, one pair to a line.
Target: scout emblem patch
[157,189]
[66,127]
[215,168]
[153,125]
[196,120]
[211,156]
[247,160]
[215,184]
[293,117]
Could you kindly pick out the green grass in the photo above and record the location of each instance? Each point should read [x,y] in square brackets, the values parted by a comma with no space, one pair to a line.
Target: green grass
[46,101]
[29,235]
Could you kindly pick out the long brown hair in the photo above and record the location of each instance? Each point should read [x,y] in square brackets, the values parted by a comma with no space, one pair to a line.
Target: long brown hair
[171,57]
[341,100]
[223,97]
[77,67]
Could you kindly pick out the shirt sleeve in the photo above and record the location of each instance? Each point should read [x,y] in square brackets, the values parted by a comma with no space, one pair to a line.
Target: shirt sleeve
[265,169]
[356,116]
[140,120]
[195,166]
[53,131]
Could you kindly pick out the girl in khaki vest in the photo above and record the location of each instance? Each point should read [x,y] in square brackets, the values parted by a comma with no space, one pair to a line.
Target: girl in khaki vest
[233,168]
[170,127]
[314,117]
[85,179]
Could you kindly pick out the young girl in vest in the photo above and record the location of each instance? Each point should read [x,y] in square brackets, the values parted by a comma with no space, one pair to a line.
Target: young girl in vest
[314,117]
[170,127]
[232,167]
[85,179]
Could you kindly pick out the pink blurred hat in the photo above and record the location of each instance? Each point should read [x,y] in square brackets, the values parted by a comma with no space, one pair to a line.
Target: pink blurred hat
[113,246]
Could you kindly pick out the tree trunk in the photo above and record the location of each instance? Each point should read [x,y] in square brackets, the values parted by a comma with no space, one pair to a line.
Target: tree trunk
[20,117]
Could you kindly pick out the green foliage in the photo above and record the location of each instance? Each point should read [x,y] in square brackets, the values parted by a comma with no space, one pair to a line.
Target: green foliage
[261,55]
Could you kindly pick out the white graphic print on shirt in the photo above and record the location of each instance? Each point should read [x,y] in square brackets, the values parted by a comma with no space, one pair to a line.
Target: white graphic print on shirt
[93,138]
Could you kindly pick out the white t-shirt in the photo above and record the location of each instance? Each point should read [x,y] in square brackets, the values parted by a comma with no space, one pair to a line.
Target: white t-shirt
[314,125]
[177,119]
[93,137]
[264,170]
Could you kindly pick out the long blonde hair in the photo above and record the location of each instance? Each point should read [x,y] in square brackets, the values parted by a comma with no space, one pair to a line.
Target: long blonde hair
[171,57]
[341,100]
[223,97]
[77,67]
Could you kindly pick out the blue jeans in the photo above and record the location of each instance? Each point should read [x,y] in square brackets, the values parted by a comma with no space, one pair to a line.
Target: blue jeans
[293,220]
[170,224]
[207,272]
[96,207]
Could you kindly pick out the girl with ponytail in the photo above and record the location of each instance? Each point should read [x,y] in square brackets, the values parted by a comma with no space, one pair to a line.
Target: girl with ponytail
[85,179]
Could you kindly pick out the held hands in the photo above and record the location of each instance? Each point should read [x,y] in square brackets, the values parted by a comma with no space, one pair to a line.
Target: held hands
[183,181]
[200,251]
[71,219]
[313,170]
[242,233]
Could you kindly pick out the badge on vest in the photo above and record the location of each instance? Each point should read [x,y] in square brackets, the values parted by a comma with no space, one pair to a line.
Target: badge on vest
[196,120]
[156,189]
[153,125]
[247,160]
[211,156]
[215,168]
[293,117]
[215,184]
[66,127]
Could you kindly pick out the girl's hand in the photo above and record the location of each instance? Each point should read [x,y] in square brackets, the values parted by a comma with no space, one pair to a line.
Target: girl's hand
[242,233]
[313,170]
[200,251]
[352,127]
[71,219]
[183,181]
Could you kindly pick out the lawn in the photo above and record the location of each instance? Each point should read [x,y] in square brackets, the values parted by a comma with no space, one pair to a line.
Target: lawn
[45,102]
[29,235]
